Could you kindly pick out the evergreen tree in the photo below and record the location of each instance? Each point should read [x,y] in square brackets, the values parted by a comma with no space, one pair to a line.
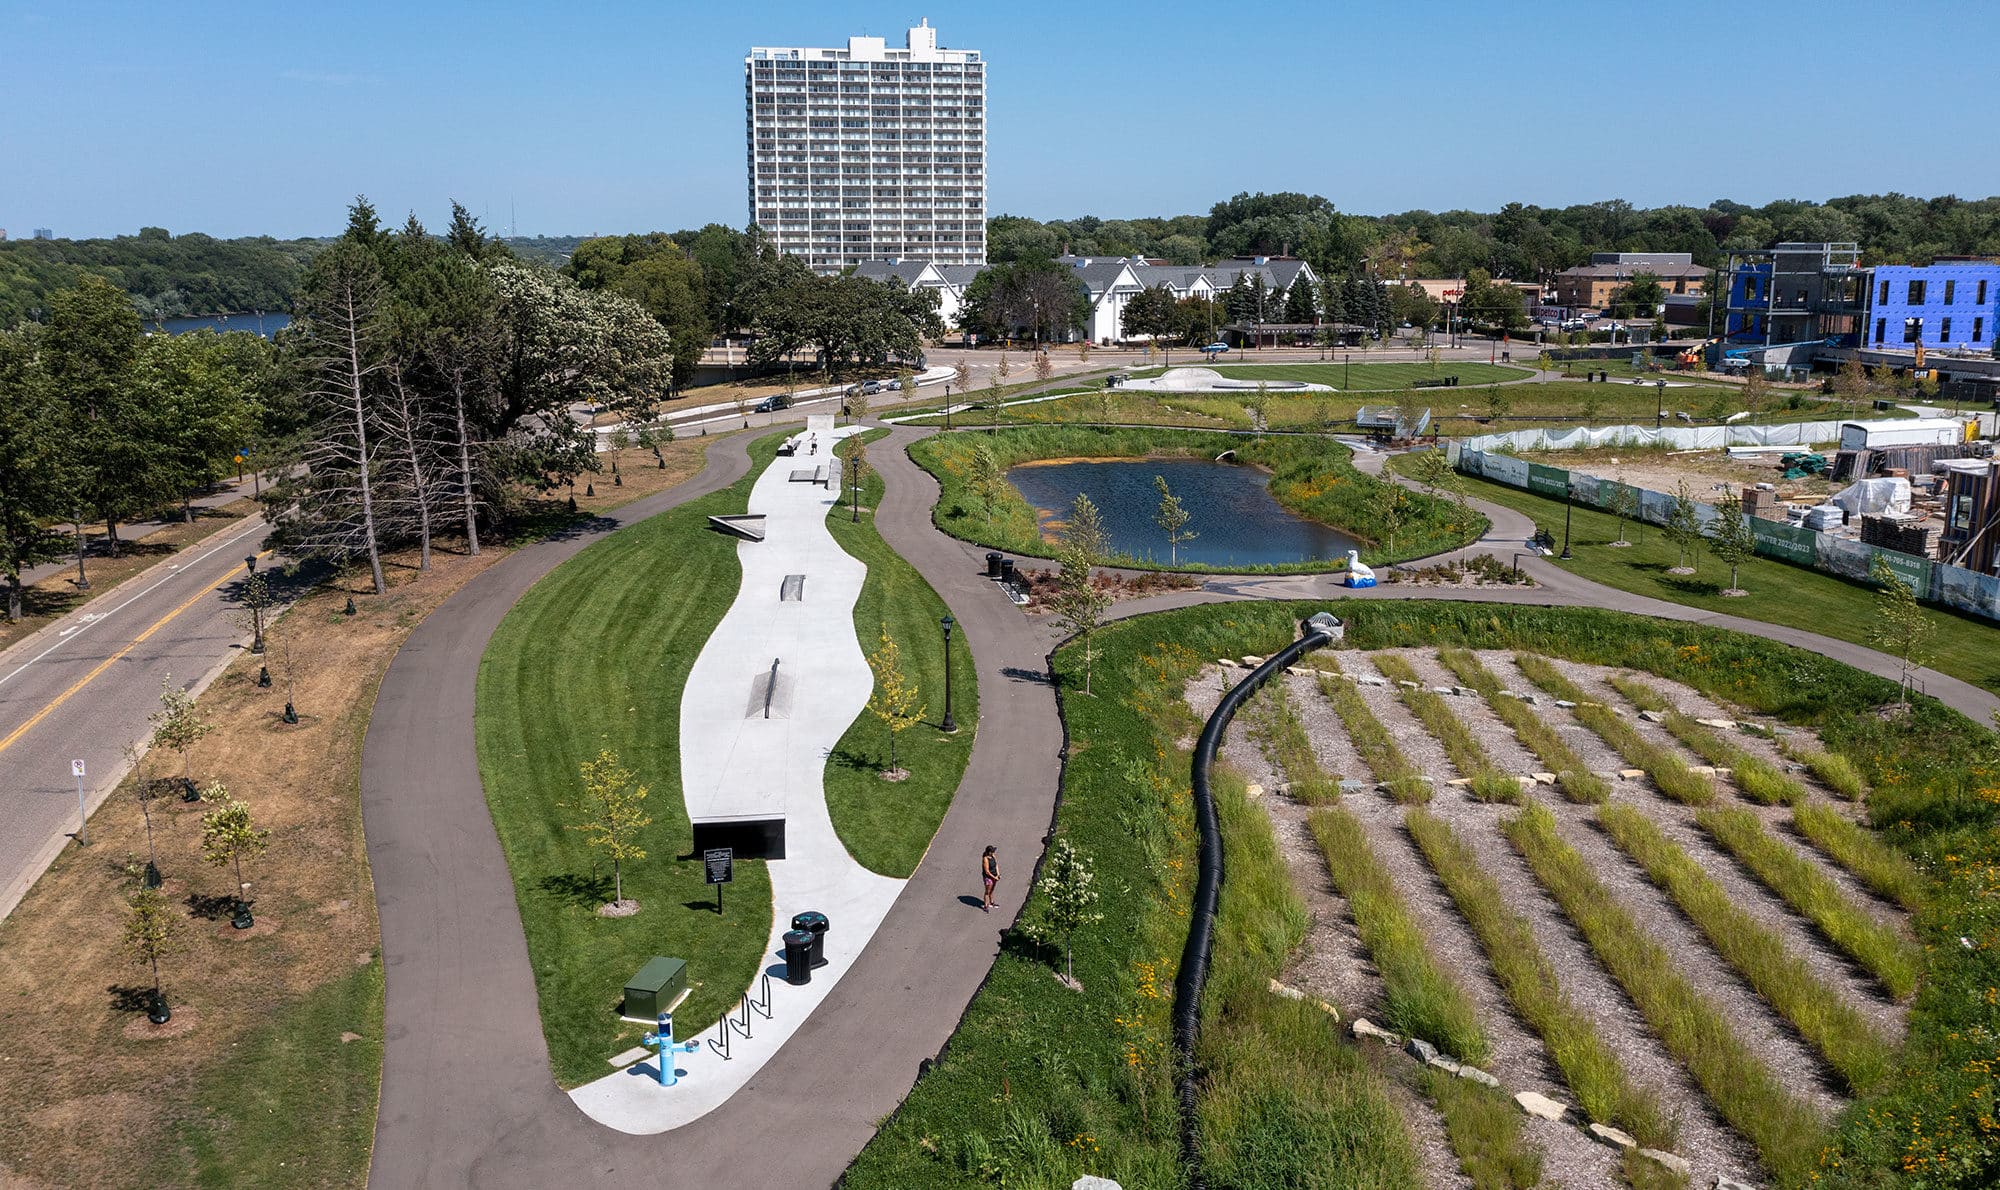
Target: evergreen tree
[1299,305]
[1333,301]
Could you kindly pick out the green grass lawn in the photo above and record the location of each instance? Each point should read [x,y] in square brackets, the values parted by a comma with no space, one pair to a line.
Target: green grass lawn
[1313,477]
[243,1123]
[1780,593]
[1372,377]
[596,656]
[1041,1084]
[887,826]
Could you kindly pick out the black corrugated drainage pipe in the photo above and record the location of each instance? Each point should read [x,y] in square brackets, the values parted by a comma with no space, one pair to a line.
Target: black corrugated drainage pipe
[1321,629]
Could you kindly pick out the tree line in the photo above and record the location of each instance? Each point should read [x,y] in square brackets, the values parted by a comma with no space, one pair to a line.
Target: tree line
[1520,240]
[164,275]
[426,381]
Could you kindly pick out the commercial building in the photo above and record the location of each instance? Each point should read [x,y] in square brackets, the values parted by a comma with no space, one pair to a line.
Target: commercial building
[44,233]
[868,153]
[1595,285]
[1952,305]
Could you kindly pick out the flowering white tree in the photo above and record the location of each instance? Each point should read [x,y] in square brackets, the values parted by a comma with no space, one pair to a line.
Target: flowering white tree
[1068,902]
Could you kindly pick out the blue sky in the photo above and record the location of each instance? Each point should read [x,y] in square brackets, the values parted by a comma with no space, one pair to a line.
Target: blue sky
[240,119]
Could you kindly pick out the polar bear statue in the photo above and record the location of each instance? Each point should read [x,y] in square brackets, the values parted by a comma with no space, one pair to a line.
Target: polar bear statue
[1358,575]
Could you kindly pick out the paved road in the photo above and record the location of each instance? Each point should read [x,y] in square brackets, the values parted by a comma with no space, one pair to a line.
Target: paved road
[467,1098]
[83,687]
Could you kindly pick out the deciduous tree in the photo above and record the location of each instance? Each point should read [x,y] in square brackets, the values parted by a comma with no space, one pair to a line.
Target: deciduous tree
[895,698]
[34,487]
[1683,528]
[229,836]
[1066,902]
[178,727]
[1730,536]
[1902,627]
[1172,518]
[153,931]
[612,815]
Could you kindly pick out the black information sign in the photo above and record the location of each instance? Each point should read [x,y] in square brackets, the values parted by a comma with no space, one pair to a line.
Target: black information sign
[718,868]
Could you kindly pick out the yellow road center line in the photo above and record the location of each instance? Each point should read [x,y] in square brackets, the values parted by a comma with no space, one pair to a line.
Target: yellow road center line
[105,664]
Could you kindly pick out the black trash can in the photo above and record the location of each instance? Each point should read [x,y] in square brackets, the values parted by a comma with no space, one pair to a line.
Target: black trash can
[813,922]
[1006,570]
[798,957]
[992,565]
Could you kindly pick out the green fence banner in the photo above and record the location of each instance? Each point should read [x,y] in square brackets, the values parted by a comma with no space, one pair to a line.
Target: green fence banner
[1914,571]
[1548,481]
[1788,543]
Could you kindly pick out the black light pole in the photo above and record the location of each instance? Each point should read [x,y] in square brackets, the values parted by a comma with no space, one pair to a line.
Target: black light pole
[949,725]
[947,406]
[256,606]
[1660,410]
[1569,502]
[1347,374]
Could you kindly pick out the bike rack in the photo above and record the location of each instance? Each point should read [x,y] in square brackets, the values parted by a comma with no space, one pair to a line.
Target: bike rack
[739,1018]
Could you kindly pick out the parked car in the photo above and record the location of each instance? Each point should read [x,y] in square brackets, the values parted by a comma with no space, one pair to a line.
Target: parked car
[871,387]
[774,403]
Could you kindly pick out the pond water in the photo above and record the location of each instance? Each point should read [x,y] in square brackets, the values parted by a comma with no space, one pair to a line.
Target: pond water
[1231,507]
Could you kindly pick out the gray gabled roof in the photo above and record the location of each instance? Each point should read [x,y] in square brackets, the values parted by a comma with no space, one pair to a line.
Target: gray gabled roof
[960,275]
[905,271]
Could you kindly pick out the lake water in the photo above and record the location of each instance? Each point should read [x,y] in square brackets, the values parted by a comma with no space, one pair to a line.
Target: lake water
[1231,507]
[266,324]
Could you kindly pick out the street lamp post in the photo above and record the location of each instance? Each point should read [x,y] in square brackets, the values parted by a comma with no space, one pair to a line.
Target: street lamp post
[256,602]
[950,724]
[1569,502]
[1660,409]
[1347,374]
[947,406]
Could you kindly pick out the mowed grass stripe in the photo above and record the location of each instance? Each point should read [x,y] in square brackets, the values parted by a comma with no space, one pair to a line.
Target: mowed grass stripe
[1758,953]
[1877,947]
[1487,783]
[1787,1133]
[1593,1072]
[1577,783]
[1885,870]
[1423,999]
[1668,772]
[596,655]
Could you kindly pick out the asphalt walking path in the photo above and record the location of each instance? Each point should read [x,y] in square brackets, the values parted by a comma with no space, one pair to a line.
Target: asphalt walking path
[467,1096]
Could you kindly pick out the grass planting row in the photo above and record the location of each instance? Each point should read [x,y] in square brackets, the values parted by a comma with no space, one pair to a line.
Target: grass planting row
[1759,954]
[1833,770]
[1274,723]
[1759,779]
[1877,947]
[1668,771]
[1594,1074]
[1314,477]
[1280,1090]
[1423,1000]
[1372,741]
[1483,1128]
[1488,783]
[1786,1132]
[1885,870]
[1577,783]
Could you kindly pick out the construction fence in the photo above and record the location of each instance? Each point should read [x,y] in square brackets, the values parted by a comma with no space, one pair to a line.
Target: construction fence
[1803,433]
[1936,582]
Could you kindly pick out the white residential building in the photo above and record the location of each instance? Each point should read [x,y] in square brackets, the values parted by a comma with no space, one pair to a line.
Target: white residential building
[868,153]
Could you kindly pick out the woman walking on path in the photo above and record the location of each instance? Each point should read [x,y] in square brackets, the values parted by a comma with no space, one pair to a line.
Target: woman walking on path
[989,874]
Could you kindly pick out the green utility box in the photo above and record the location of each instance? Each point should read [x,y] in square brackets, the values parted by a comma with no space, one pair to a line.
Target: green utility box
[657,985]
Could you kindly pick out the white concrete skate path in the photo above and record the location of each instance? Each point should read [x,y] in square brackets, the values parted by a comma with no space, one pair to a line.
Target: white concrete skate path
[734,761]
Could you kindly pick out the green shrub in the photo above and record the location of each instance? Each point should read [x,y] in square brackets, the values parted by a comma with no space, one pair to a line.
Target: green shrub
[1423,1001]
[1879,948]
[1758,953]
[1785,1130]
[1591,1069]
[1876,864]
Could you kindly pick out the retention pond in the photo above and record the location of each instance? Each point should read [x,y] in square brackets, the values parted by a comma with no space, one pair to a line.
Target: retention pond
[1231,507]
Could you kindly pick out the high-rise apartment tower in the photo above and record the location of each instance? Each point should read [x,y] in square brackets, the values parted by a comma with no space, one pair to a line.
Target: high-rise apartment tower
[867,152]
